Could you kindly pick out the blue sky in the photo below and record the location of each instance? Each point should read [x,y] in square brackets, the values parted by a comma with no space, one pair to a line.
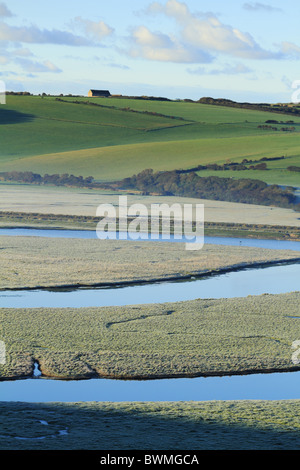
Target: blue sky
[238,49]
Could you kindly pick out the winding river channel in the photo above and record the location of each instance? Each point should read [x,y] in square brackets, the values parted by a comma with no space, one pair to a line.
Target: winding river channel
[249,281]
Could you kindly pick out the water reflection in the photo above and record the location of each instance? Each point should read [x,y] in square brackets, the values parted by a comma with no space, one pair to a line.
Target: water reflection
[276,386]
[91,234]
[272,280]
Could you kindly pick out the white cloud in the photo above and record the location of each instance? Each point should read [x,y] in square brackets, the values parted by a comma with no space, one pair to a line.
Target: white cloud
[226,70]
[9,56]
[260,7]
[163,48]
[206,34]
[118,66]
[178,10]
[13,39]
[22,52]
[4,11]
[143,37]
[22,58]
[290,49]
[3,59]
[37,67]
[34,35]
[210,33]
[95,29]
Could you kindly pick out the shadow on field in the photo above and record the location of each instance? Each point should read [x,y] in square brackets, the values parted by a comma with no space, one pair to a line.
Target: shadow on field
[131,426]
[9,116]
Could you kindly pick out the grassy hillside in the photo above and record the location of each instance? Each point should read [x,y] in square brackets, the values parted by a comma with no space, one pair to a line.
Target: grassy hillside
[190,111]
[119,137]
[276,173]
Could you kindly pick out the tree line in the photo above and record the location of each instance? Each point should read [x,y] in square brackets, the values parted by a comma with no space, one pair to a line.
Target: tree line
[249,191]
[278,109]
[55,179]
[174,183]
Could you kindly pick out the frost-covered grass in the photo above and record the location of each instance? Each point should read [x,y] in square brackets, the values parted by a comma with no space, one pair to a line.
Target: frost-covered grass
[240,425]
[33,261]
[199,337]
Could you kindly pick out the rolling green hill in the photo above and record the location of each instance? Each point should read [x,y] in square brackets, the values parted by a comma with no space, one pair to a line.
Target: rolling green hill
[113,138]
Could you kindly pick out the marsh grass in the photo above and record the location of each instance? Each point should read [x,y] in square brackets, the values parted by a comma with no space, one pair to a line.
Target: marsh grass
[44,202]
[50,262]
[216,425]
[190,338]
[11,219]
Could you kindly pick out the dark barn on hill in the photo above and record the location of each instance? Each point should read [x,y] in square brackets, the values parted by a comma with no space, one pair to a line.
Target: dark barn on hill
[104,93]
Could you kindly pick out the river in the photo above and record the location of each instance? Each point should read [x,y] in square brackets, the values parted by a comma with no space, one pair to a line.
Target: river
[250,281]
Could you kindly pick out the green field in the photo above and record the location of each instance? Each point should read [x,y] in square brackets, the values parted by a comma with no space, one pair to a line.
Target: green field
[116,139]
[111,141]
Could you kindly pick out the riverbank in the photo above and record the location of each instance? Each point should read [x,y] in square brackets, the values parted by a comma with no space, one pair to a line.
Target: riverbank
[202,337]
[12,220]
[215,425]
[36,203]
[51,262]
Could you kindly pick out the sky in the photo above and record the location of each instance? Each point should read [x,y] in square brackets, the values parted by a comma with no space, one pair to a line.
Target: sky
[235,49]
